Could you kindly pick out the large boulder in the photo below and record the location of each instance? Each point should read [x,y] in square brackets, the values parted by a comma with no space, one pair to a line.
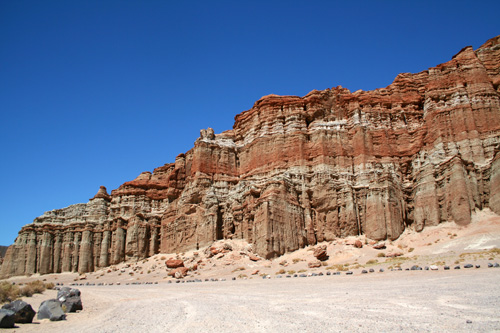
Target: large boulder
[174,263]
[320,253]
[23,312]
[67,292]
[51,309]
[70,299]
[7,318]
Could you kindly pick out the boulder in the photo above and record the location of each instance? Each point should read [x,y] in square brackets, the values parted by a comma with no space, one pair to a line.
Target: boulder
[358,244]
[314,264]
[253,257]
[379,246]
[51,309]
[174,263]
[23,312]
[179,272]
[320,253]
[7,318]
[67,292]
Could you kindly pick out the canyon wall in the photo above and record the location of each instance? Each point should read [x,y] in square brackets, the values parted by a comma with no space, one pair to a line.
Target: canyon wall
[295,171]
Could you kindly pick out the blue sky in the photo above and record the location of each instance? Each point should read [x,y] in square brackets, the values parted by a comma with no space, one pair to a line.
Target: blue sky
[95,92]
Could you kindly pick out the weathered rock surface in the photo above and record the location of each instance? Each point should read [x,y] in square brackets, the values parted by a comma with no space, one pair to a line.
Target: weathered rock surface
[70,299]
[51,309]
[7,318]
[295,171]
[23,312]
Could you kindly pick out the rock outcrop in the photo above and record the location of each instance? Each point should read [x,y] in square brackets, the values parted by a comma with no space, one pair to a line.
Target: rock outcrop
[295,171]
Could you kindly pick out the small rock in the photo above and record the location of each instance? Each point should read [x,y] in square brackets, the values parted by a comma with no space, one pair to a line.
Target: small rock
[469,321]
[314,264]
[358,244]
[253,257]
[379,246]
[433,268]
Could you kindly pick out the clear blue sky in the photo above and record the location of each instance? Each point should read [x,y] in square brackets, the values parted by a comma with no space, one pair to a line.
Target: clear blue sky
[95,92]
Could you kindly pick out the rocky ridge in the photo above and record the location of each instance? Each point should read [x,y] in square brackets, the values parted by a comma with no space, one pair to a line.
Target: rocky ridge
[295,171]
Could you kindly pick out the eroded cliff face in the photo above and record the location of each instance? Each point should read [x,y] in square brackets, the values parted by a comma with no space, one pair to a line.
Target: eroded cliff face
[295,171]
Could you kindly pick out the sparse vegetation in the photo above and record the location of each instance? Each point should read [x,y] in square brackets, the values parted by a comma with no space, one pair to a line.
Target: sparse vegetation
[302,271]
[340,267]
[372,262]
[291,272]
[281,271]
[296,260]
[10,292]
[411,249]
[381,255]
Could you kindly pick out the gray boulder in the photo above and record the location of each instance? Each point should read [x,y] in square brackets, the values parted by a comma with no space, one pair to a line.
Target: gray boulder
[51,309]
[6,318]
[23,312]
[68,292]
[70,299]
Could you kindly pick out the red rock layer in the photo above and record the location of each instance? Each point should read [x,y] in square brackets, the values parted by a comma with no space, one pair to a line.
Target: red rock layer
[295,171]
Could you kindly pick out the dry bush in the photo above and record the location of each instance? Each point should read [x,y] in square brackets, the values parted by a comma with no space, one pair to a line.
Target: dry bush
[296,260]
[8,292]
[281,271]
[27,291]
[49,285]
[381,255]
[372,262]
[291,272]
[38,286]
[411,249]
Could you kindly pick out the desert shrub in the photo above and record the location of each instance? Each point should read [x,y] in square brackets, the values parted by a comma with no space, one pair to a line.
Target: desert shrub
[283,263]
[241,276]
[411,249]
[49,285]
[281,271]
[302,271]
[38,286]
[296,260]
[381,255]
[291,272]
[340,268]
[8,292]
[163,258]
[372,262]
[27,291]
[324,263]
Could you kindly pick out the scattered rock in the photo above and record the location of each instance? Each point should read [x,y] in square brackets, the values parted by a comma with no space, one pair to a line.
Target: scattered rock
[314,264]
[394,254]
[7,318]
[358,244]
[179,272]
[255,272]
[379,246]
[253,257]
[23,312]
[51,309]
[174,263]
[433,268]
[320,253]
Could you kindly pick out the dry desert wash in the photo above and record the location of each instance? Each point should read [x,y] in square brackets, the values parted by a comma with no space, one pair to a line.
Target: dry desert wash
[295,171]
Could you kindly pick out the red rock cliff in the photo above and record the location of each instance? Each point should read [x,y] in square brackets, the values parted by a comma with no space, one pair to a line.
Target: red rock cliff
[295,171]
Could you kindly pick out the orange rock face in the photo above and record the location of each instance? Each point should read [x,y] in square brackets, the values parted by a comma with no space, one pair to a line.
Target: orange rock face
[295,171]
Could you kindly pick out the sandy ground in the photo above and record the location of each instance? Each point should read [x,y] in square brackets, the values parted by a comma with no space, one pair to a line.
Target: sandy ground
[391,301]
[117,298]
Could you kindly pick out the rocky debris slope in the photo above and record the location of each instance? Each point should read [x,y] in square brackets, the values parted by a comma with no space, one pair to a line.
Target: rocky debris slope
[295,171]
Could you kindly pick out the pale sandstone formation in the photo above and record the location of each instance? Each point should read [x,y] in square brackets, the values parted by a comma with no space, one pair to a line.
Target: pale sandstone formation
[295,171]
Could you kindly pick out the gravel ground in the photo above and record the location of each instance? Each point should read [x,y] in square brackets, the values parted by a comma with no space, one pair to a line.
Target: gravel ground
[392,301]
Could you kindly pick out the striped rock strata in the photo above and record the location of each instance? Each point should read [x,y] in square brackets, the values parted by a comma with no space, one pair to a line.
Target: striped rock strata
[295,171]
